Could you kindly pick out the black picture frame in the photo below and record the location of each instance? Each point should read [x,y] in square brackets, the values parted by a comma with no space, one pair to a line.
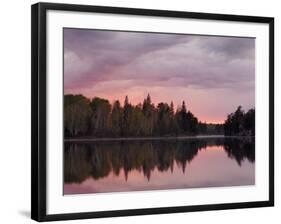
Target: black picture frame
[39,122]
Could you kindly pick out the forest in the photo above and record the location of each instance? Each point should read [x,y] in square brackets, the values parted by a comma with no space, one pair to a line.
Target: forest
[97,118]
[240,123]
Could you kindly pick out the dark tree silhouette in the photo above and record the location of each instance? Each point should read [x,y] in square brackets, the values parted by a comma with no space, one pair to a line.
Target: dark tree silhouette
[97,160]
[77,113]
[240,123]
[116,118]
[98,118]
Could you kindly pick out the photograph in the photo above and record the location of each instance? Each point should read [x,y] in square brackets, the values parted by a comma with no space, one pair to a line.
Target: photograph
[131,106]
[146,111]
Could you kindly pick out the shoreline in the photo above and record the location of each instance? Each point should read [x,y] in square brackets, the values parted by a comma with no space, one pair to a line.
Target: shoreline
[152,138]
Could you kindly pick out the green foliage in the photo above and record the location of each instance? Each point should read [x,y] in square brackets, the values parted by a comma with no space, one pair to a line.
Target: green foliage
[100,119]
[77,113]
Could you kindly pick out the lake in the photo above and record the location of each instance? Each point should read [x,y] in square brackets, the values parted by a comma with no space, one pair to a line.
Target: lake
[157,164]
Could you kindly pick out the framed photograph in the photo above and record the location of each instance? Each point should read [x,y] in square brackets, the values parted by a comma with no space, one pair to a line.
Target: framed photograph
[141,111]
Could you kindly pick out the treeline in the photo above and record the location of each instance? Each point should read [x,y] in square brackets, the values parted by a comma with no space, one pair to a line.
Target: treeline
[210,129]
[98,118]
[240,123]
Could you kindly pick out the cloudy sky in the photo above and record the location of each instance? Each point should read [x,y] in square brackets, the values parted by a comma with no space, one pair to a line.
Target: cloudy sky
[213,75]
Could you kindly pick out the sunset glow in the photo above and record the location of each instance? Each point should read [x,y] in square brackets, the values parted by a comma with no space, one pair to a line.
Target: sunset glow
[213,159]
[212,74]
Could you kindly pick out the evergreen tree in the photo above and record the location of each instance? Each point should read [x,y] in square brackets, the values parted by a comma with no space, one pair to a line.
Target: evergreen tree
[116,118]
[182,119]
[127,111]
[164,119]
[100,121]
[148,111]
[99,118]
[240,123]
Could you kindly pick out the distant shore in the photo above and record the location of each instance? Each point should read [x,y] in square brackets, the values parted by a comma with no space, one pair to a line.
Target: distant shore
[82,139]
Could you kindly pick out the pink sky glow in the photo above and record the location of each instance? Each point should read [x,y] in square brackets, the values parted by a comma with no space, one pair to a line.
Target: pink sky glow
[221,172]
[212,74]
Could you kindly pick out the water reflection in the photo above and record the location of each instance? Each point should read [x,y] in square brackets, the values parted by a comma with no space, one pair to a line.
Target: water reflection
[101,162]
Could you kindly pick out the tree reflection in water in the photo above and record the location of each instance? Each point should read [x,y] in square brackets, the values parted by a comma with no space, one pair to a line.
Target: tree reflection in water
[98,159]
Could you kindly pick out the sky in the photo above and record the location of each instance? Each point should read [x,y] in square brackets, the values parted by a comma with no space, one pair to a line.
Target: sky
[212,74]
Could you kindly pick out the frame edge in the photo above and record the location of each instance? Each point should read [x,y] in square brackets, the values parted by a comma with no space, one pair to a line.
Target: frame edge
[34,113]
[38,111]
[154,12]
[271,111]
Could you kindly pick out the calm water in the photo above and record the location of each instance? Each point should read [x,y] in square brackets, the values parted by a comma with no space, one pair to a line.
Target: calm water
[112,166]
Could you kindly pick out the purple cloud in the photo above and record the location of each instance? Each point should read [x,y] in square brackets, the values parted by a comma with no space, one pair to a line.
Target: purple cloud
[97,61]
